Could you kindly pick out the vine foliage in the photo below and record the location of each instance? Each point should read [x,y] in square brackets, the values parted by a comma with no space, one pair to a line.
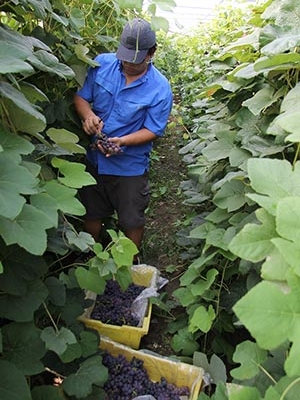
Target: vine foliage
[45,48]
[240,289]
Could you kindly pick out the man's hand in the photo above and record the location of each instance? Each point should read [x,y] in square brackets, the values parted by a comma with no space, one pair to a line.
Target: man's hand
[92,125]
[107,146]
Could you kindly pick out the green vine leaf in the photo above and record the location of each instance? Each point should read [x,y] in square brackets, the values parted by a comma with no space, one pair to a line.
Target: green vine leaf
[160,23]
[123,251]
[15,145]
[131,4]
[47,392]
[33,93]
[283,12]
[74,173]
[291,364]
[45,61]
[13,384]
[289,386]
[261,100]
[72,352]
[286,222]
[237,392]
[251,357]
[21,308]
[202,319]
[231,196]
[64,197]
[275,178]
[89,343]
[291,100]
[90,279]
[26,349]
[81,52]
[183,341]
[189,276]
[289,251]
[253,242]
[215,368]
[57,291]
[217,150]
[285,40]
[66,139]
[262,304]
[104,264]
[20,266]
[9,92]
[275,267]
[184,295]
[74,307]
[15,180]
[77,18]
[81,241]
[28,230]
[91,371]
[250,40]
[166,5]
[203,284]
[123,277]
[46,205]
[58,340]
[288,122]
[277,62]
[13,58]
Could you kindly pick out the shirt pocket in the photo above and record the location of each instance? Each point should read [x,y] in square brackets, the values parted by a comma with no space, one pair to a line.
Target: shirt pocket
[103,95]
[130,112]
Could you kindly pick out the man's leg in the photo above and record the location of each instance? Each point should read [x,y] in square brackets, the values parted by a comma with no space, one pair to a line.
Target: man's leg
[93,227]
[136,235]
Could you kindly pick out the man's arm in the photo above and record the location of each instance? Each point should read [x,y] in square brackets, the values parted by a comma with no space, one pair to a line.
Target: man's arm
[91,124]
[132,139]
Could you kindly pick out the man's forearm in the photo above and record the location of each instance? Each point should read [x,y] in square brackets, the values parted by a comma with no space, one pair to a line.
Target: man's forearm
[139,137]
[82,108]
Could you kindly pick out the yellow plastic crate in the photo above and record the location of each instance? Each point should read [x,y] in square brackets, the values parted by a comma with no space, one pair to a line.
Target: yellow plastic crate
[178,373]
[144,275]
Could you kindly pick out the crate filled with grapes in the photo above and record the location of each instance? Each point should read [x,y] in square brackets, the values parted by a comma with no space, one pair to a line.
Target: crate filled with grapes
[134,374]
[124,315]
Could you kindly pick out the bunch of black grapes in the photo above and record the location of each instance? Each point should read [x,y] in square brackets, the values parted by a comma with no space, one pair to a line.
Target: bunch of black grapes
[114,305]
[108,146]
[129,379]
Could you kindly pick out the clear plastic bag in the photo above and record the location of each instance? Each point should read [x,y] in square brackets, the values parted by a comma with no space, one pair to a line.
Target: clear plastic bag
[140,304]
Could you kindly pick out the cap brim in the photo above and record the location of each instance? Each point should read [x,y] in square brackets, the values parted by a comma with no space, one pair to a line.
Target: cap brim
[131,55]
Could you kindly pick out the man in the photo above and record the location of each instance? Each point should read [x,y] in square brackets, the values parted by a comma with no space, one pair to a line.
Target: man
[127,100]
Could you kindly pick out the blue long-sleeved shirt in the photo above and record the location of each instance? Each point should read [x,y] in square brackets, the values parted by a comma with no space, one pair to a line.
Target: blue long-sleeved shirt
[145,103]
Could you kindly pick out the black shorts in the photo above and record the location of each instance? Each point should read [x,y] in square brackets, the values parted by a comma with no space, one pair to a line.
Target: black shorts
[128,196]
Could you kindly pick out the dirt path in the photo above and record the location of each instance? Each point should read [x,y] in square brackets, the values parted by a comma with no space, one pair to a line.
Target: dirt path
[166,208]
[163,222]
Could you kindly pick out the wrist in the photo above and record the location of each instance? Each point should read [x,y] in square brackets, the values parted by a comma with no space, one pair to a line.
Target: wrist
[122,141]
[87,116]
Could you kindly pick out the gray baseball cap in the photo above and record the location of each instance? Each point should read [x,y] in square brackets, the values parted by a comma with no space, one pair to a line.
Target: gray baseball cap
[136,39]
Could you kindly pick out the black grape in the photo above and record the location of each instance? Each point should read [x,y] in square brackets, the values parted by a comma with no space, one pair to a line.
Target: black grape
[114,305]
[129,379]
[108,147]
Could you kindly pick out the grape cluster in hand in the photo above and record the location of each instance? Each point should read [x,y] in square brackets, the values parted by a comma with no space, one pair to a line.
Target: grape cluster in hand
[114,305]
[107,146]
[129,379]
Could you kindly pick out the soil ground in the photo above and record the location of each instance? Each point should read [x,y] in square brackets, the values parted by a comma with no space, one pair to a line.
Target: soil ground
[160,248]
